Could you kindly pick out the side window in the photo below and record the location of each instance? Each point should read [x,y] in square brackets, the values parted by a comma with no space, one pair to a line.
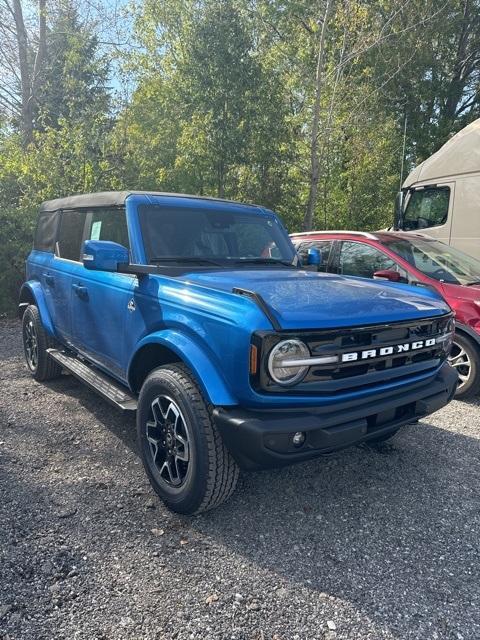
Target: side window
[107,224]
[427,208]
[357,259]
[324,246]
[46,231]
[70,234]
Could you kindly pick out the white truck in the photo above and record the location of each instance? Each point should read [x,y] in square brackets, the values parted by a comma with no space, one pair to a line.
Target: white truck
[441,197]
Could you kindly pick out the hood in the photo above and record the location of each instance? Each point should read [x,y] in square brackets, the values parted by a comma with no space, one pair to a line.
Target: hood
[461,291]
[309,300]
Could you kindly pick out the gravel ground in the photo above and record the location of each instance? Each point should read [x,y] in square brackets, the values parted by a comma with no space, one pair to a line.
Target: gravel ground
[362,544]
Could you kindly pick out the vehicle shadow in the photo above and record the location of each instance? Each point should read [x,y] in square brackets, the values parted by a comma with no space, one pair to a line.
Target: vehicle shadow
[400,524]
[371,526]
[122,424]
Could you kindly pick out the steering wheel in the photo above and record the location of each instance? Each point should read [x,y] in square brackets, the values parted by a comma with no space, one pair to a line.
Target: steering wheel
[439,274]
[422,223]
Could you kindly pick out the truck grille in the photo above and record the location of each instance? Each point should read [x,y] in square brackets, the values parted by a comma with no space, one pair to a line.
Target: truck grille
[367,356]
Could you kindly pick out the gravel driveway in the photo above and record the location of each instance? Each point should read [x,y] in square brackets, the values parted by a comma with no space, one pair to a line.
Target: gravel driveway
[361,544]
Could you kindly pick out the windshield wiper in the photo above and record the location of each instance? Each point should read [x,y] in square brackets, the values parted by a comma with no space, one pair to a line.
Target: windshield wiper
[264,261]
[185,259]
[470,284]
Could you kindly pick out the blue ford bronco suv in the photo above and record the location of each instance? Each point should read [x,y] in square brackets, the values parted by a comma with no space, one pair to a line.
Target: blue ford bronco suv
[197,313]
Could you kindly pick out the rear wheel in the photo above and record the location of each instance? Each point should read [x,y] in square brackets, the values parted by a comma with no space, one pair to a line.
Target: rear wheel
[465,357]
[184,455]
[36,341]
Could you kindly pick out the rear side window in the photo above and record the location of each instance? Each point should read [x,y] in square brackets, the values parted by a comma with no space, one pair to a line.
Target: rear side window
[107,224]
[46,231]
[70,234]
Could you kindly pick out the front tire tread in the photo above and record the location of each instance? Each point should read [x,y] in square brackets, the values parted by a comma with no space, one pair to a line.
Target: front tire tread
[222,471]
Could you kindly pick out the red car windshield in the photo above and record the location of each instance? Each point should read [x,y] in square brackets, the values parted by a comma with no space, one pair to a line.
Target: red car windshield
[436,259]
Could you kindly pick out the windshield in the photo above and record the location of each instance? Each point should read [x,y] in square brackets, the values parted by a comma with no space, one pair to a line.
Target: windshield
[437,260]
[213,237]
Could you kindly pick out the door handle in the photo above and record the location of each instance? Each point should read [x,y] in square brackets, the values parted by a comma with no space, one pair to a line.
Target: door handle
[50,280]
[81,291]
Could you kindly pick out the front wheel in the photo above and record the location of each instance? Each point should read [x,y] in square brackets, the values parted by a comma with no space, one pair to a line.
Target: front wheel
[464,357]
[183,454]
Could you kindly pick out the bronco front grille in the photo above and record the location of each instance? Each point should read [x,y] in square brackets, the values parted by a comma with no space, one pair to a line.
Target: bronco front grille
[366,355]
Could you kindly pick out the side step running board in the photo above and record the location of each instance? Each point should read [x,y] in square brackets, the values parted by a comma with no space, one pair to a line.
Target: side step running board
[109,389]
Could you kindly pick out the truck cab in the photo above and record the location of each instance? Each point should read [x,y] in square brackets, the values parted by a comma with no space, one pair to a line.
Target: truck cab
[198,314]
[440,197]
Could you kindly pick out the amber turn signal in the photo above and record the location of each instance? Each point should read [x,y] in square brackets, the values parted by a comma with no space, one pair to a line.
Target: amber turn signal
[253,359]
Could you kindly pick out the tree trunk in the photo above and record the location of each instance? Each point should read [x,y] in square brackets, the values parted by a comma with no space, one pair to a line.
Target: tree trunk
[22,44]
[29,77]
[42,45]
[314,159]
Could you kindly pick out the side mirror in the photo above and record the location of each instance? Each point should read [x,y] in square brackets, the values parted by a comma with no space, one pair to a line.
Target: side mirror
[103,255]
[387,274]
[314,257]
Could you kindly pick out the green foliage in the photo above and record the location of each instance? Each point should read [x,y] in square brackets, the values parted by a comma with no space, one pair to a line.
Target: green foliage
[210,113]
[74,76]
[69,153]
[221,102]
[429,72]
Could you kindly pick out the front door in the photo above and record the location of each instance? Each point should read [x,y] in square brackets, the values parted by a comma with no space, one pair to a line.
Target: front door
[363,260]
[429,210]
[100,300]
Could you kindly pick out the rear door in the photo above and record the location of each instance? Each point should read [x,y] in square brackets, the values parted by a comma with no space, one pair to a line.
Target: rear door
[65,263]
[100,300]
[40,261]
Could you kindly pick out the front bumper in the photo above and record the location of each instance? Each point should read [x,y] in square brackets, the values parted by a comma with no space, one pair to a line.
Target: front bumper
[262,439]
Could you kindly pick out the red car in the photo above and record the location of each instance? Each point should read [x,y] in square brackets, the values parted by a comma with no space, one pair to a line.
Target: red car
[415,259]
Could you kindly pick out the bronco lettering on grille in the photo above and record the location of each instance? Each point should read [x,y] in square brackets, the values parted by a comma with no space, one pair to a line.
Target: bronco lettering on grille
[388,351]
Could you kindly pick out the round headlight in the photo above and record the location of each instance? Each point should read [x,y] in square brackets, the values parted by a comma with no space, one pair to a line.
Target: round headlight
[282,361]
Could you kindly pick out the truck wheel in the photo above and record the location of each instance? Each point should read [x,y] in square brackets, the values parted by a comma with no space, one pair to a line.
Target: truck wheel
[183,453]
[464,357]
[36,341]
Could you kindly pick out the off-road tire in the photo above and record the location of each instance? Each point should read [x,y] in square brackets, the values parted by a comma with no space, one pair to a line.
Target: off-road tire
[45,368]
[212,473]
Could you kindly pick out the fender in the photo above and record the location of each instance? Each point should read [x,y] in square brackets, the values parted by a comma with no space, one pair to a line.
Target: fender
[469,331]
[204,371]
[32,290]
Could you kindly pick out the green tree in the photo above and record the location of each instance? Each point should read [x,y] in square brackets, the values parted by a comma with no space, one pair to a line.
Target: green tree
[74,75]
[207,116]
[68,148]
[429,71]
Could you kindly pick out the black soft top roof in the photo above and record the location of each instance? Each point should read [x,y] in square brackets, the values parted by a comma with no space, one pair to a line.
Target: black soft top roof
[114,199]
